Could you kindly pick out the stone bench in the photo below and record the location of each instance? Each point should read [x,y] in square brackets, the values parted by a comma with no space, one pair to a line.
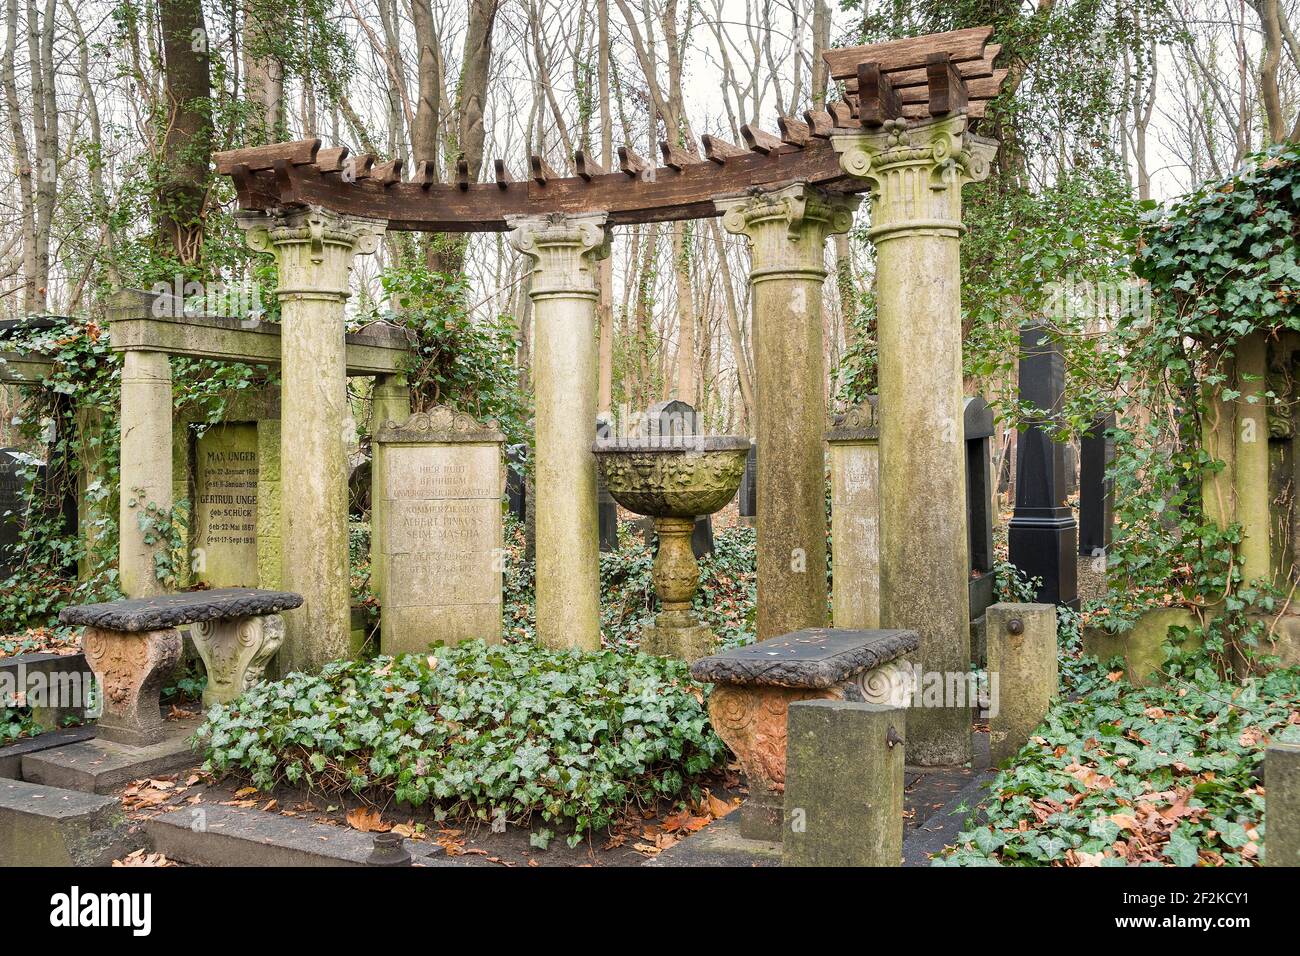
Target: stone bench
[134,645]
[755,686]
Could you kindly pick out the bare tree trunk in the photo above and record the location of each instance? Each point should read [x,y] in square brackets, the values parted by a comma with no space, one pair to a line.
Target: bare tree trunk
[187,142]
[605,271]
[263,75]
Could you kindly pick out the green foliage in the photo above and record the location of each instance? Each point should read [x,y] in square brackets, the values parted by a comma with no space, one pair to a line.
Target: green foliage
[457,361]
[1225,256]
[1161,775]
[484,732]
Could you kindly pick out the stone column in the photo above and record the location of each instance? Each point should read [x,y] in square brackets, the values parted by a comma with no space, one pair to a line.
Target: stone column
[855,517]
[1282,805]
[787,230]
[314,250]
[917,171]
[1236,433]
[564,251]
[146,469]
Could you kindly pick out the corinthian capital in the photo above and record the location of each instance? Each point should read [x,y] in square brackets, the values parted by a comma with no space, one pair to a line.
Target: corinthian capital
[916,171]
[787,227]
[313,246]
[563,249]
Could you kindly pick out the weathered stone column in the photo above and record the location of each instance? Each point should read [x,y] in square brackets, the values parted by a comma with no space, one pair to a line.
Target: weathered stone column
[1282,805]
[314,250]
[787,230]
[564,251]
[1235,431]
[146,469]
[916,173]
[854,441]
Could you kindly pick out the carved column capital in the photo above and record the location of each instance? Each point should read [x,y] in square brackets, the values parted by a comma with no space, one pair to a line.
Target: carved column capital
[916,172]
[787,227]
[564,250]
[313,246]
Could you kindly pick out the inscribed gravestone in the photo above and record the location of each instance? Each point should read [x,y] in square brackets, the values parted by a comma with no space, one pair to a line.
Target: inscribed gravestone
[437,531]
[226,508]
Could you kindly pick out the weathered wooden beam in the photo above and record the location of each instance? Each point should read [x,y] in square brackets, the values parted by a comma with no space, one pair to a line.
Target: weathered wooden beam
[916,76]
[502,174]
[820,123]
[794,132]
[630,163]
[301,152]
[331,160]
[719,150]
[542,171]
[961,45]
[462,172]
[843,115]
[877,99]
[677,158]
[759,141]
[284,183]
[358,168]
[586,167]
[947,90]
[387,173]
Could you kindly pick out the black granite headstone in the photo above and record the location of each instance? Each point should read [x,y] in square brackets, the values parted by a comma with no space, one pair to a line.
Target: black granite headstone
[1042,536]
[516,489]
[977,428]
[748,496]
[12,507]
[1096,494]
[606,506]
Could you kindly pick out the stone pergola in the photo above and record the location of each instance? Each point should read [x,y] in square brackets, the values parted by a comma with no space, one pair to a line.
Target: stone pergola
[902,134]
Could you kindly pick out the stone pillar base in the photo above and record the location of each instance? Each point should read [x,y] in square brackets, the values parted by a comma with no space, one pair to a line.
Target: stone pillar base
[685,643]
[235,652]
[131,668]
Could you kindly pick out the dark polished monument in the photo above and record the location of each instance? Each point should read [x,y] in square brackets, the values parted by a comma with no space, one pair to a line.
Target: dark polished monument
[1042,536]
[1096,494]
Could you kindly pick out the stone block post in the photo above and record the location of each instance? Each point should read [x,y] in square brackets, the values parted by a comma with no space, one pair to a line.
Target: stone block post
[564,291]
[916,172]
[146,466]
[391,401]
[1022,672]
[314,251]
[787,230]
[1282,805]
[844,784]
[855,517]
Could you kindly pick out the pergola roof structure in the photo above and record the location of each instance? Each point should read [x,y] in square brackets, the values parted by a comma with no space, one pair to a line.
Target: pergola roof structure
[911,79]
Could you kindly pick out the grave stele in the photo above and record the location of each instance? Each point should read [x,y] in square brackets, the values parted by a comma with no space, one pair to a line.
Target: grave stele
[854,442]
[11,508]
[436,535]
[226,505]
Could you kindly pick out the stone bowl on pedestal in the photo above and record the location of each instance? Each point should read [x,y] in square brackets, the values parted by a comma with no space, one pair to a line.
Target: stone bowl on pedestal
[672,480]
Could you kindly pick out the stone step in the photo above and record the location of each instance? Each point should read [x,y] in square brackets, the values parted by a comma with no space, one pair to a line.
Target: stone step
[11,757]
[214,835]
[101,766]
[46,826]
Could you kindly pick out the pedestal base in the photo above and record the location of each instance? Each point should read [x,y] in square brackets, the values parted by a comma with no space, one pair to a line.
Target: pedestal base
[131,666]
[685,643]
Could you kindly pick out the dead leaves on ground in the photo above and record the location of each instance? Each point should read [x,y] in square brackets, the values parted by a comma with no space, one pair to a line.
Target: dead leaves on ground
[141,858]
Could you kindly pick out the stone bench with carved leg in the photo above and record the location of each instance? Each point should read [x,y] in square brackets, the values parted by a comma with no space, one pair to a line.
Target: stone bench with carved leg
[134,645]
[755,686]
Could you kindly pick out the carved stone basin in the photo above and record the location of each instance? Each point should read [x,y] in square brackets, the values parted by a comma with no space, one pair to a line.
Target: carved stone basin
[679,477]
[673,480]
